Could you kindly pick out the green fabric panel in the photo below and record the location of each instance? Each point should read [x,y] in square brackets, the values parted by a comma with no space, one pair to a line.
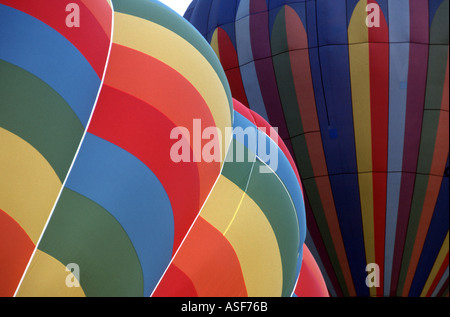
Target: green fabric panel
[430,124]
[420,191]
[236,171]
[445,293]
[156,12]
[300,148]
[426,152]
[283,73]
[278,39]
[269,193]
[33,111]
[288,95]
[82,232]
[439,32]
[312,192]
[437,66]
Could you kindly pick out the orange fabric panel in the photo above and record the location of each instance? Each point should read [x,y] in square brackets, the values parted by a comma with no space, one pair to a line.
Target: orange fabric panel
[15,251]
[210,262]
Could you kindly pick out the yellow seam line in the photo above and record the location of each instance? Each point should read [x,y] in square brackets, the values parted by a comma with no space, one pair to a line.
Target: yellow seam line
[242,198]
[235,214]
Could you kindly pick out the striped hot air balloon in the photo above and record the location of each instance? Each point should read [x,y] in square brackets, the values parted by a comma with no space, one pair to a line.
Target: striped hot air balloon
[359,92]
[95,201]
[123,209]
[50,76]
[248,239]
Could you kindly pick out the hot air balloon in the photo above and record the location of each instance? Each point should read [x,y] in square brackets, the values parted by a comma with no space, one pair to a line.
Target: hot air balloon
[50,76]
[111,220]
[359,92]
[248,239]
[110,180]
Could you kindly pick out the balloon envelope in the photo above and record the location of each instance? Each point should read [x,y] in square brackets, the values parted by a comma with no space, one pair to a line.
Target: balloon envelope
[107,130]
[92,199]
[50,77]
[248,239]
[359,92]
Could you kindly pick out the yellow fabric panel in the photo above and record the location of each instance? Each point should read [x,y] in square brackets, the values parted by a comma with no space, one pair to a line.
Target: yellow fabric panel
[437,265]
[46,277]
[360,84]
[221,205]
[247,229]
[256,246]
[215,43]
[29,186]
[179,54]
[357,29]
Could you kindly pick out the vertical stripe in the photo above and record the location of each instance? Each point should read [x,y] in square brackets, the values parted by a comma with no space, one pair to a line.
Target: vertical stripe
[441,259]
[399,60]
[262,56]
[435,236]
[230,62]
[440,284]
[325,254]
[215,43]
[379,104]
[433,152]
[330,69]
[418,61]
[360,80]
[430,193]
[245,56]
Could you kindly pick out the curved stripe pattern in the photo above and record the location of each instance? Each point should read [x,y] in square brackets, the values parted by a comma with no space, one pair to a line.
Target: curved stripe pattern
[50,78]
[90,38]
[49,63]
[127,205]
[362,110]
[257,217]
[142,208]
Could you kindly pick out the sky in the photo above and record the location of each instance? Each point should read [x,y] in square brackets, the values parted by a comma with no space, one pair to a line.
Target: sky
[178,5]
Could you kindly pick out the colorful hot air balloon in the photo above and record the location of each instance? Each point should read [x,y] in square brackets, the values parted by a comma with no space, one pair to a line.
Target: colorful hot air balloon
[249,236]
[105,168]
[50,76]
[125,205]
[359,92]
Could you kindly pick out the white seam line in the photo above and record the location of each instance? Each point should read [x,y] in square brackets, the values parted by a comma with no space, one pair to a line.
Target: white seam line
[76,154]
